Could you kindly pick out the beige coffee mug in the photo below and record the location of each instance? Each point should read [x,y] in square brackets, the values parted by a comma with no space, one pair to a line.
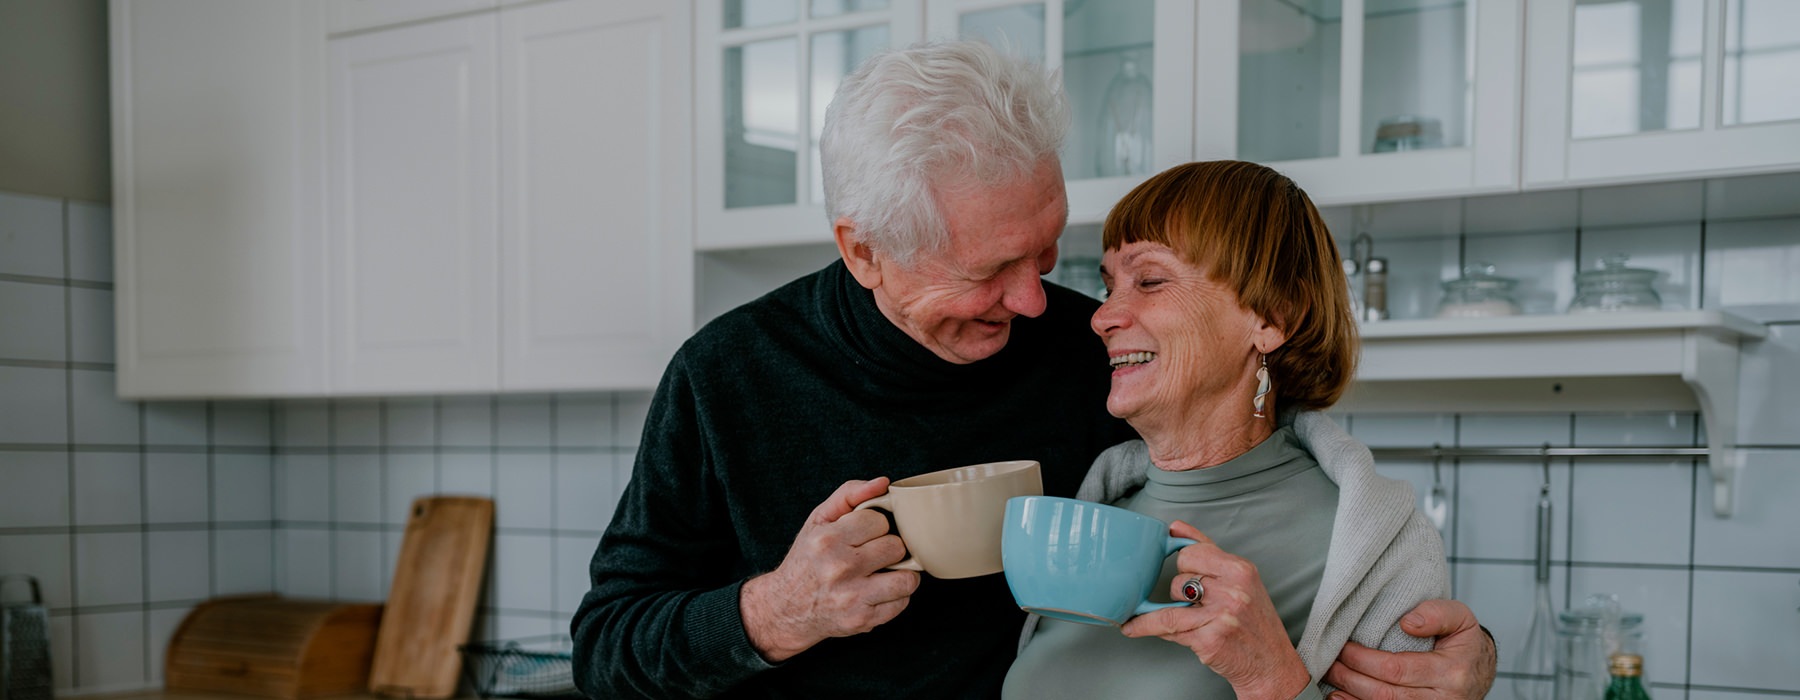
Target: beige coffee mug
[950,519]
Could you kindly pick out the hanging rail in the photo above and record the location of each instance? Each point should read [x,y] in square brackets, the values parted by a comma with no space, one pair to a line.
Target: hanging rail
[1534,452]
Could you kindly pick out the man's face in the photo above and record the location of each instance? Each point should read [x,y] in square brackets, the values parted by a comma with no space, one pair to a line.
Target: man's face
[959,302]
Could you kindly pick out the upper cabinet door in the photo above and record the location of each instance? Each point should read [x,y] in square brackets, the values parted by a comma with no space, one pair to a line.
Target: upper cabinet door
[217,136]
[764,72]
[1364,100]
[351,15]
[1636,90]
[597,245]
[1128,68]
[413,232]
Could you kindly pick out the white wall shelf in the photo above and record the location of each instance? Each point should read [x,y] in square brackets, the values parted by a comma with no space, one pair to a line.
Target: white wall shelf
[1623,362]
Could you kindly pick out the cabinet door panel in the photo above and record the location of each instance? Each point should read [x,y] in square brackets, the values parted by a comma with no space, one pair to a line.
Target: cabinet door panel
[216,164]
[414,230]
[597,249]
[350,15]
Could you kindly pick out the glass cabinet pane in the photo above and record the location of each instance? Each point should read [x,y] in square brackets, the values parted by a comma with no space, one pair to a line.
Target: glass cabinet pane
[1018,29]
[833,8]
[1107,69]
[762,122]
[1288,65]
[834,55]
[1636,66]
[759,13]
[1762,60]
[1417,83]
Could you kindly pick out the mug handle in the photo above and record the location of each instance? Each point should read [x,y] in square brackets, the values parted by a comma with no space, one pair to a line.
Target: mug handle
[1170,547]
[884,502]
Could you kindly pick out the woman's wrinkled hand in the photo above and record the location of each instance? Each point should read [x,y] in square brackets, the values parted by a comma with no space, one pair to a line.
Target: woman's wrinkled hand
[1233,628]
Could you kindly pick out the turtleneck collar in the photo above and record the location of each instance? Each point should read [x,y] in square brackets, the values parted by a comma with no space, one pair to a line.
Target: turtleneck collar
[1274,459]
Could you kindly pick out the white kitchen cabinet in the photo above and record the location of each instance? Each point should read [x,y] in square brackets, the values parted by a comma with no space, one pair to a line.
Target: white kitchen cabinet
[216,132]
[353,15]
[414,189]
[1363,100]
[1640,90]
[596,244]
[764,70]
[1128,68]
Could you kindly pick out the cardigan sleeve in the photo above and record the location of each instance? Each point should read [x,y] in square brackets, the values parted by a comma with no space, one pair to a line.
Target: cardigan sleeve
[657,622]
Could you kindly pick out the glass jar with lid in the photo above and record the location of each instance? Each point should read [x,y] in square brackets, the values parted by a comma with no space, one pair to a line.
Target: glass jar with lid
[1611,286]
[1478,293]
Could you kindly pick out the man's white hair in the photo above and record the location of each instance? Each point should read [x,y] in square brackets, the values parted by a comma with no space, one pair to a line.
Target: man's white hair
[933,116]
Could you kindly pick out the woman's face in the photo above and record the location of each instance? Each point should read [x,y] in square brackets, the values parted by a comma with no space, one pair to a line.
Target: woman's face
[1183,348]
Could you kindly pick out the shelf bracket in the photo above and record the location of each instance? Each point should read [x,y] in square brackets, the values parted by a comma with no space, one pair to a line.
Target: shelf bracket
[1711,370]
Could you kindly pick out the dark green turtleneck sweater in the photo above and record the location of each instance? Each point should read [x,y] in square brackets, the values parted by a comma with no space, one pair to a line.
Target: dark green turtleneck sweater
[760,417]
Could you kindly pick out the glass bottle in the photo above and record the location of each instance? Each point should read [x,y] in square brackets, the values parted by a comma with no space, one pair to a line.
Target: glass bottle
[1124,138]
[1627,678]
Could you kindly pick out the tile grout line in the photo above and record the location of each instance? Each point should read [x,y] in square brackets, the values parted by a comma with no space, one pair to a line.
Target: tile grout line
[69,459]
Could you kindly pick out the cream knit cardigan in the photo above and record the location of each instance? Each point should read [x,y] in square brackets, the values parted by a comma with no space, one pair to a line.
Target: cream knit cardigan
[1384,558]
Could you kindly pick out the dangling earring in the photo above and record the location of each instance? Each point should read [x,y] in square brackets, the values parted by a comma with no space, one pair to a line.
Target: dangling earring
[1262,387]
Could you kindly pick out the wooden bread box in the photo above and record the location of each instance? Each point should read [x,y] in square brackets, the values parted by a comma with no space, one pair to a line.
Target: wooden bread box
[274,647]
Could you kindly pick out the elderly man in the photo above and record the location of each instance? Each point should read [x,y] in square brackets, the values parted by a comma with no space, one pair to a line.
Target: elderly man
[736,566]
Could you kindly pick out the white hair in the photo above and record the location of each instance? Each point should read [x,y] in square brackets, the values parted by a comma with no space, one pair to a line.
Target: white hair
[933,115]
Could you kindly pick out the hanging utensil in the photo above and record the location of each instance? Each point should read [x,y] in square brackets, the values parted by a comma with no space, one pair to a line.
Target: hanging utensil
[1437,500]
[1536,664]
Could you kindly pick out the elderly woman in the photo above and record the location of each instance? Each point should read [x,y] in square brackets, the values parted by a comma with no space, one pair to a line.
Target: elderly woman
[1226,297]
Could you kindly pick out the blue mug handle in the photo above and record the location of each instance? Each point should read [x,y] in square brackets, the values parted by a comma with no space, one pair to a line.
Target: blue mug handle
[1172,546]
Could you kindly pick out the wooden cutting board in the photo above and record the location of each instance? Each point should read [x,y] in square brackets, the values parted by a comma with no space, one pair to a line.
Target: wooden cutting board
[432,604]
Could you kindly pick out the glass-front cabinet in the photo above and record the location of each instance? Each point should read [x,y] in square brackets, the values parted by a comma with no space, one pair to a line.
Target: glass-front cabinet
[1127,66]
[764,72]
[1363,100]
[1622,90]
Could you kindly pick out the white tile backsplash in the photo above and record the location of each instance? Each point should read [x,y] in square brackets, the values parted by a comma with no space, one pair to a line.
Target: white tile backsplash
[1752,262]
[162,623]
[523,421]
[37,489]
[304,558]
[1769,372]
[357,566]
[1525,212]
[1634,429]
[175,423]
[112,650]
[62,651]
[304,488]
[408,476]
[469,474]
[1763,524]
[572,556]
[523,572]
[33,406]
[584,421]
[91,325]
[1509,430]
[241,424]
[243,561]
[1502,597]
[411,422]
[176,488]
[108,488]
[1643,204]
[1754,196]
[1661,596]
[630,410]
[34,318]
[466,421]
[100,418]
[31,235]
[45,557]
[1404,430]
[356,488]
[1632,512]
[304,424]
[587,490]
[241,484]
[1750,622]
[1496,510]
[356,423]
[523,499]
[90,242]
[109,568]
[178,565]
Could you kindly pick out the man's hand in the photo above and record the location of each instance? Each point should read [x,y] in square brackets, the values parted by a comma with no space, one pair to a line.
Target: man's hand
[1459,667]
[831,583]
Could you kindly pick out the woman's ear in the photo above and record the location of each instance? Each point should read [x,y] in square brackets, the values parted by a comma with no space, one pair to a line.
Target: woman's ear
[862,261]
[1268,335]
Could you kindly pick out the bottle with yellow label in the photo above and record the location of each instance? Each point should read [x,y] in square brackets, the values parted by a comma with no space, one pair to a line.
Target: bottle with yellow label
[1627,678]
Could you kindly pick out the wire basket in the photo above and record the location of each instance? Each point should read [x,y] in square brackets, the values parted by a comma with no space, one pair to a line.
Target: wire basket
[530,667]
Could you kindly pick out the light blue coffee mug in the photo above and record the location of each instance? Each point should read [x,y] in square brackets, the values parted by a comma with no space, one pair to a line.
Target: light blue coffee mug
[1083,562]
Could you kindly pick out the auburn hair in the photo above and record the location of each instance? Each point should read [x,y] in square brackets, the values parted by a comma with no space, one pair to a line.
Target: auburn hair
[1255,231]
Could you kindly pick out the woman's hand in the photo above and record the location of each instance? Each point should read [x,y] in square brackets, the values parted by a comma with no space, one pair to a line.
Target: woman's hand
[1233,628]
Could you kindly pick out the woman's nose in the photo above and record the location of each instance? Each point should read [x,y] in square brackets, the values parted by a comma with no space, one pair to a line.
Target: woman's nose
[1108,318]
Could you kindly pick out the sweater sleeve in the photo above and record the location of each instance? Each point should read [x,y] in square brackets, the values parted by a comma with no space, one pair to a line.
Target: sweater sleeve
[661,620]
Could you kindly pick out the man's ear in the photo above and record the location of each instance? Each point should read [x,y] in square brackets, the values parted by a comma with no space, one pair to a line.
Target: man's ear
[864,265]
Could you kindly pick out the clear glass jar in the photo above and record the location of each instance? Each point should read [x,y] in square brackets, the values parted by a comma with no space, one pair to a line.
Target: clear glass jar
[1478,293]
[1586,640]
[1614,287]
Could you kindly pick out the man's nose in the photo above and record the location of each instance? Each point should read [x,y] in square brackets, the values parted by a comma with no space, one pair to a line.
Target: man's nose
[1024,293]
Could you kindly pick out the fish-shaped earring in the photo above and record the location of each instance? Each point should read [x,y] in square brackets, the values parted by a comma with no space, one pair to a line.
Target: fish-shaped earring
[1262,387]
